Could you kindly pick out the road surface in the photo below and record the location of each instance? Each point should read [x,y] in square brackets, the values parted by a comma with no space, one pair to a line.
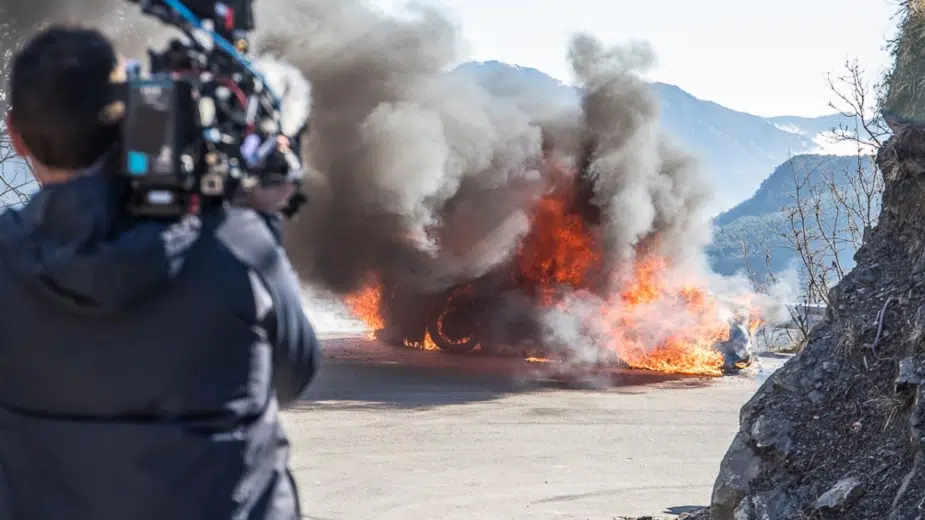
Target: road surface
[399,434]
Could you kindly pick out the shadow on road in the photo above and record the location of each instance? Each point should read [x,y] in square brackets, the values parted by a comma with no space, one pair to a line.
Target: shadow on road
[362,373]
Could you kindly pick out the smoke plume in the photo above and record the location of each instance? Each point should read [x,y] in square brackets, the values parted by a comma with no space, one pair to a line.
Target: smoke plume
[651,192]
[292,88]
[426,177]
[420,169]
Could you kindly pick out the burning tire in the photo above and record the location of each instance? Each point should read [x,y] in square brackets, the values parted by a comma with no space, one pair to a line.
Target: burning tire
[455,327]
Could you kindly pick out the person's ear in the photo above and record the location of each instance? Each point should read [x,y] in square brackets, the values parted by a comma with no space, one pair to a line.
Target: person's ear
[18,145]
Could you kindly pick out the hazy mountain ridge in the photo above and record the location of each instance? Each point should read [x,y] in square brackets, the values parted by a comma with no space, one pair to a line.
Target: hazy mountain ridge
[809,126]
[776,190]
[760,224]
[737,149]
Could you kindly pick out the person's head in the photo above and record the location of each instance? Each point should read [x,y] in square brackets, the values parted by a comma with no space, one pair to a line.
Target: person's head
[63,115]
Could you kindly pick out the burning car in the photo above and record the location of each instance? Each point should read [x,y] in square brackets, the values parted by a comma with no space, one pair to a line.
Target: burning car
[558,260]
[480,318]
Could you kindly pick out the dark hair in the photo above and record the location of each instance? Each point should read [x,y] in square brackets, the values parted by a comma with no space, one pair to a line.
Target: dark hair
[60,89]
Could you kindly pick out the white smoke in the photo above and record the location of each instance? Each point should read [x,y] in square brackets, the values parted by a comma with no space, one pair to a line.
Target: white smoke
[419,167]
[293,90]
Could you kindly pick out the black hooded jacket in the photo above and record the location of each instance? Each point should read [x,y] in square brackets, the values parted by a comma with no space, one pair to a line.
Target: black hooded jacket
[142,365]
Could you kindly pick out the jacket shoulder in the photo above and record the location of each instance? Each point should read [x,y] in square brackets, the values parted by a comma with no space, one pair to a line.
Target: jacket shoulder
[236,245]
[248,237]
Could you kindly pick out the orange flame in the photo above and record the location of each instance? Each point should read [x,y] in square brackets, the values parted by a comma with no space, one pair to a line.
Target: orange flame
[559,250]
[683,348]
[427,344]
[655,322]
[754,324]
[365,305]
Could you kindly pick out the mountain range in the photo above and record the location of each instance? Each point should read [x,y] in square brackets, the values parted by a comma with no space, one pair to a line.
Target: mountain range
[737,149]
[759,226]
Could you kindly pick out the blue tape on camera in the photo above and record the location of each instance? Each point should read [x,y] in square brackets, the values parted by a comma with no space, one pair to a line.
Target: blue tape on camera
[223,44]
[137,163]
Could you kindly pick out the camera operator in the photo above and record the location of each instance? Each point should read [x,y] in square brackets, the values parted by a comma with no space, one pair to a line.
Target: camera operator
[142,364]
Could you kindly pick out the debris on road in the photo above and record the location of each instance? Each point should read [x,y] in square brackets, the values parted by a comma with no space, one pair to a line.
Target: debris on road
[699,514]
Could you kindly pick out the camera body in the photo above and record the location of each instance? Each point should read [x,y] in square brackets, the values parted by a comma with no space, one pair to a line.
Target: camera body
[202,125]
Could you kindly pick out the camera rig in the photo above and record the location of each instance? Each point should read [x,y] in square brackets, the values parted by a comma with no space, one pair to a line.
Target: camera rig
[202,125]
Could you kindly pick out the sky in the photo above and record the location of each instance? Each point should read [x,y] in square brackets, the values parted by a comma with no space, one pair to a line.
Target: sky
[762,57]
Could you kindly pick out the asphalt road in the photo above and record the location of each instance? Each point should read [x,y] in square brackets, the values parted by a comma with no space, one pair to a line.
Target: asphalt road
[390,433]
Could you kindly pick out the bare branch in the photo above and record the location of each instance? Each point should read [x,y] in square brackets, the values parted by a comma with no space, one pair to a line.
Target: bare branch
[827,211]
[856,98]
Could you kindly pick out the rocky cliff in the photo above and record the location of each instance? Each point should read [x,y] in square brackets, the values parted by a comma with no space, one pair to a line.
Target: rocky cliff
[838,431]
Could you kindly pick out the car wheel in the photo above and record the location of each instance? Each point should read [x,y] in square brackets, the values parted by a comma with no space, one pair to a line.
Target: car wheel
[454,328]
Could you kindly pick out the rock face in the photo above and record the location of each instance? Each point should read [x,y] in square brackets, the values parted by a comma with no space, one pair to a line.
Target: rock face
[838,432]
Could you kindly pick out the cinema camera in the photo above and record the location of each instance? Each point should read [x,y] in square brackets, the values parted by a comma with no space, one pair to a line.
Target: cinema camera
[202,124]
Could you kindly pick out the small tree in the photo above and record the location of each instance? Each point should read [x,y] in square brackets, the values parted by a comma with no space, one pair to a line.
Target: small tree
[827,212]
[830,212]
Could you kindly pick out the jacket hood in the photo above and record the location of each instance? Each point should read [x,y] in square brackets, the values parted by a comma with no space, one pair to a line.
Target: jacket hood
[75,243]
